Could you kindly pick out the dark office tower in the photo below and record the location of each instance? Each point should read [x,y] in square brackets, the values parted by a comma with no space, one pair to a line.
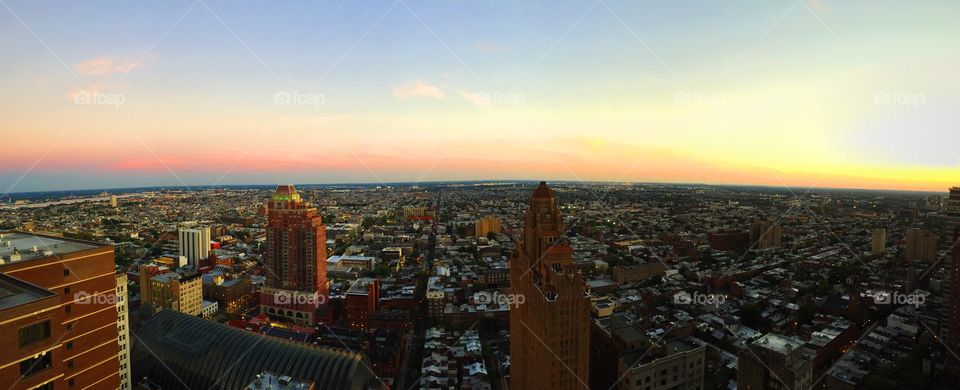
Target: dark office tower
[550,330]
[954,305]
[953,207]
[295,258]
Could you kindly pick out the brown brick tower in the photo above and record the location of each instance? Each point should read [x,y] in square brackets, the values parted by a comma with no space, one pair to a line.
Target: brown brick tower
[953,335]
[550,330]
[58,314]
[296,258]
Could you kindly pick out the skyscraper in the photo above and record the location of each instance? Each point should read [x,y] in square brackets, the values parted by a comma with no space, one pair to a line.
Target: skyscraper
[765,234]
[953,335]
[550,331]
[878,241]
[953,204]
[123,331]
[195,244]
[921,245]
[487,225]
[295,258]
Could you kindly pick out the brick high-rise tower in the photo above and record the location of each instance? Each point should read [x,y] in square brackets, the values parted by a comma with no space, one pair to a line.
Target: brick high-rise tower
[295,257]
[550,330]
[58,314]
[953,335]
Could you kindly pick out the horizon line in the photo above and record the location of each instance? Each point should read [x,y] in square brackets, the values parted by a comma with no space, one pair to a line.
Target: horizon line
[415,183]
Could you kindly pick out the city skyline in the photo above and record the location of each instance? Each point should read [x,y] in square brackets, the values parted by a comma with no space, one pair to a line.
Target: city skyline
[485,195]
[787,93]
[199,187]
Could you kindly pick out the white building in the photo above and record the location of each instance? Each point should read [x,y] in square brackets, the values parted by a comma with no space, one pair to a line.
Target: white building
[208,308]
[123,331]
[195,244]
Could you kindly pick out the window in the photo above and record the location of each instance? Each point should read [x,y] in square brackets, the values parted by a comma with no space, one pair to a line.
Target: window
[69,327]
[70,345]
[67,309]
[34,333]
[35,364]
[70,382]
[66,291]
[66,272]
[69,363]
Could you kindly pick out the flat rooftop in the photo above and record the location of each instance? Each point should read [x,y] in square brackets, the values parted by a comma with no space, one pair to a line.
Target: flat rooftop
[271,381]
[22,246]
[643,356]
[359,287]
[777,343]
[16,292]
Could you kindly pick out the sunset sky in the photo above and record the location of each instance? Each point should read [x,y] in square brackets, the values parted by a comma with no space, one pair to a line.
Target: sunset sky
[821,93]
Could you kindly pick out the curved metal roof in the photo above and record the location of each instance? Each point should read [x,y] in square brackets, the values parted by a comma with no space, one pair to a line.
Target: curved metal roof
[179,350]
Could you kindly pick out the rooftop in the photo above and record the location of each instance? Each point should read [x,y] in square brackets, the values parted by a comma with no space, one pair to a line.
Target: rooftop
[16,292]
[642,357]
[171,342]
[777,343]
[270,381]
[359,287]
[178,276]
[543,191]
[22,246]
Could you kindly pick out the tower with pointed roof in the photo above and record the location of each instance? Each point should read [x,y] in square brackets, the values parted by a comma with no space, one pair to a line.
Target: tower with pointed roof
[550,330]
[295,258]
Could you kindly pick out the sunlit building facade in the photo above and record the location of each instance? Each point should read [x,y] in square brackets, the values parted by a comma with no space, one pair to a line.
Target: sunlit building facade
[295,258]
[58,317]
[550,331]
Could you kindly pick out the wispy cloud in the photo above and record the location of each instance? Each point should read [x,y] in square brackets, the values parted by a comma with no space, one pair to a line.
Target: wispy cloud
[418,89]
[105,65]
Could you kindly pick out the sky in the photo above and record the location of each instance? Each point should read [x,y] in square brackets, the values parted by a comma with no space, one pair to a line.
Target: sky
[800,93]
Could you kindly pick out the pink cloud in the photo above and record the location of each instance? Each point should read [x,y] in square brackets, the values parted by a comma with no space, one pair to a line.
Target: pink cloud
[104,66]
